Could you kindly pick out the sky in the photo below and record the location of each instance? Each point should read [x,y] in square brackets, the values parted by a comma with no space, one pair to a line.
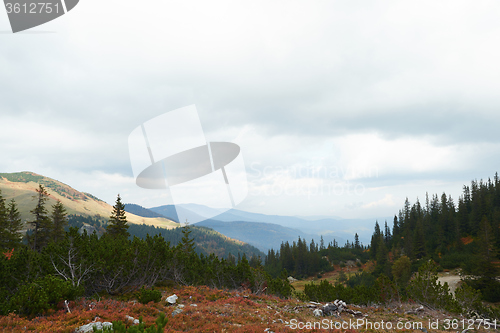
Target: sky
[340,108]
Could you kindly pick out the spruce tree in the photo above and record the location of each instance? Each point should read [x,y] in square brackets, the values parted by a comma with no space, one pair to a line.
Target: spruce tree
[356,241]
[4,236]
[187,243]
[41,223]
[59,221]
[15,225]
[117,225]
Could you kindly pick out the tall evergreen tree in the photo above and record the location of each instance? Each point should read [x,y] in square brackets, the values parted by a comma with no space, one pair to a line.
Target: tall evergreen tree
[14,225]
[187,242]
[374,244]
[117,225]
[387,234]
[356,241]
[41,223]
[59,221]
[4,236]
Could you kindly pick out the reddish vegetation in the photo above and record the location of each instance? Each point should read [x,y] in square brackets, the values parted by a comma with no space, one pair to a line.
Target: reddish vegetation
[467,240]
[216,311]
[8,254]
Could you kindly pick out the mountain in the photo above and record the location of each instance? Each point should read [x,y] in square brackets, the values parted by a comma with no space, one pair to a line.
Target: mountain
[307,227]
[264,236]
[141,211]
[21,186]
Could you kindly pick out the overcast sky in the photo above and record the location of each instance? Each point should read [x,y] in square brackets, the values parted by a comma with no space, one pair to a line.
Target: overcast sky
[341,108]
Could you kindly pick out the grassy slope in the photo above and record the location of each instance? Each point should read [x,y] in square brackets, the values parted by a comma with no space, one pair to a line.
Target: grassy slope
[22,185]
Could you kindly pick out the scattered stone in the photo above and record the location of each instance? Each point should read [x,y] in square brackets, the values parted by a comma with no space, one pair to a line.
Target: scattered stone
[90,327]
[329,308]
[132,319]
[415,311]
[318,313]
[332,309]
[176,312]
[172,299]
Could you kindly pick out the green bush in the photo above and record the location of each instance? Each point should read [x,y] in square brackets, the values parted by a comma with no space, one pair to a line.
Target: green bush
[326,292]
[425,289]
[149,295]
[43,294]
[119,326]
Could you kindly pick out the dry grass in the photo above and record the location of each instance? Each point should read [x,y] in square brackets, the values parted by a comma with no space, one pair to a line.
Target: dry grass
[23,194]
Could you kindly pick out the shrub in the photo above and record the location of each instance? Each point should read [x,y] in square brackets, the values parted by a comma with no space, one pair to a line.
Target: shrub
[119,326]
[149,295]
[43,294]
[425,288]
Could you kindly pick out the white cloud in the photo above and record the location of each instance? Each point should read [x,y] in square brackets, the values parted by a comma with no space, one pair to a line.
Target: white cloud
[397,97]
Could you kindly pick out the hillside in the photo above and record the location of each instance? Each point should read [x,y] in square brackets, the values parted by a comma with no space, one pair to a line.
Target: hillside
[21,187]
[207,240]
[264,236]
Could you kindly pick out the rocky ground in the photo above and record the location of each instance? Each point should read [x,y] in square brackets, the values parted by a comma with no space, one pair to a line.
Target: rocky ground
[201,309]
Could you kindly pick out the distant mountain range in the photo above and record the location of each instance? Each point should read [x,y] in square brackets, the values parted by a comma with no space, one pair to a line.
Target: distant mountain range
[269,231]
[260,230]
[21,187]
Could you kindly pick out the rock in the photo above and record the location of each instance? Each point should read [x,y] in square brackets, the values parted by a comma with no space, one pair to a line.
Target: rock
[90,327]
[416,311]
[180,306]
[132,319]
[329,308]
[193,305]
[172,299]
[176,312]
[291,279]
[318,313]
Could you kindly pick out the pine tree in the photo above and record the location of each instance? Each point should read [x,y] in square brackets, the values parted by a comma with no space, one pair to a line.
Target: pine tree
[374,244]
[41,223]
[59,221]
[4,236]
[387,234]
[356,241]
[15,225]
[187,243]
[117,225]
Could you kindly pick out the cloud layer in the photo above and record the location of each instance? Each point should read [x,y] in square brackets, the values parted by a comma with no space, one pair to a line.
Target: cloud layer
[398,98]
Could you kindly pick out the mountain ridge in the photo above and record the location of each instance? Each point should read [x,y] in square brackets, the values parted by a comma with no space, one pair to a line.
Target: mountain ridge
[21,186]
